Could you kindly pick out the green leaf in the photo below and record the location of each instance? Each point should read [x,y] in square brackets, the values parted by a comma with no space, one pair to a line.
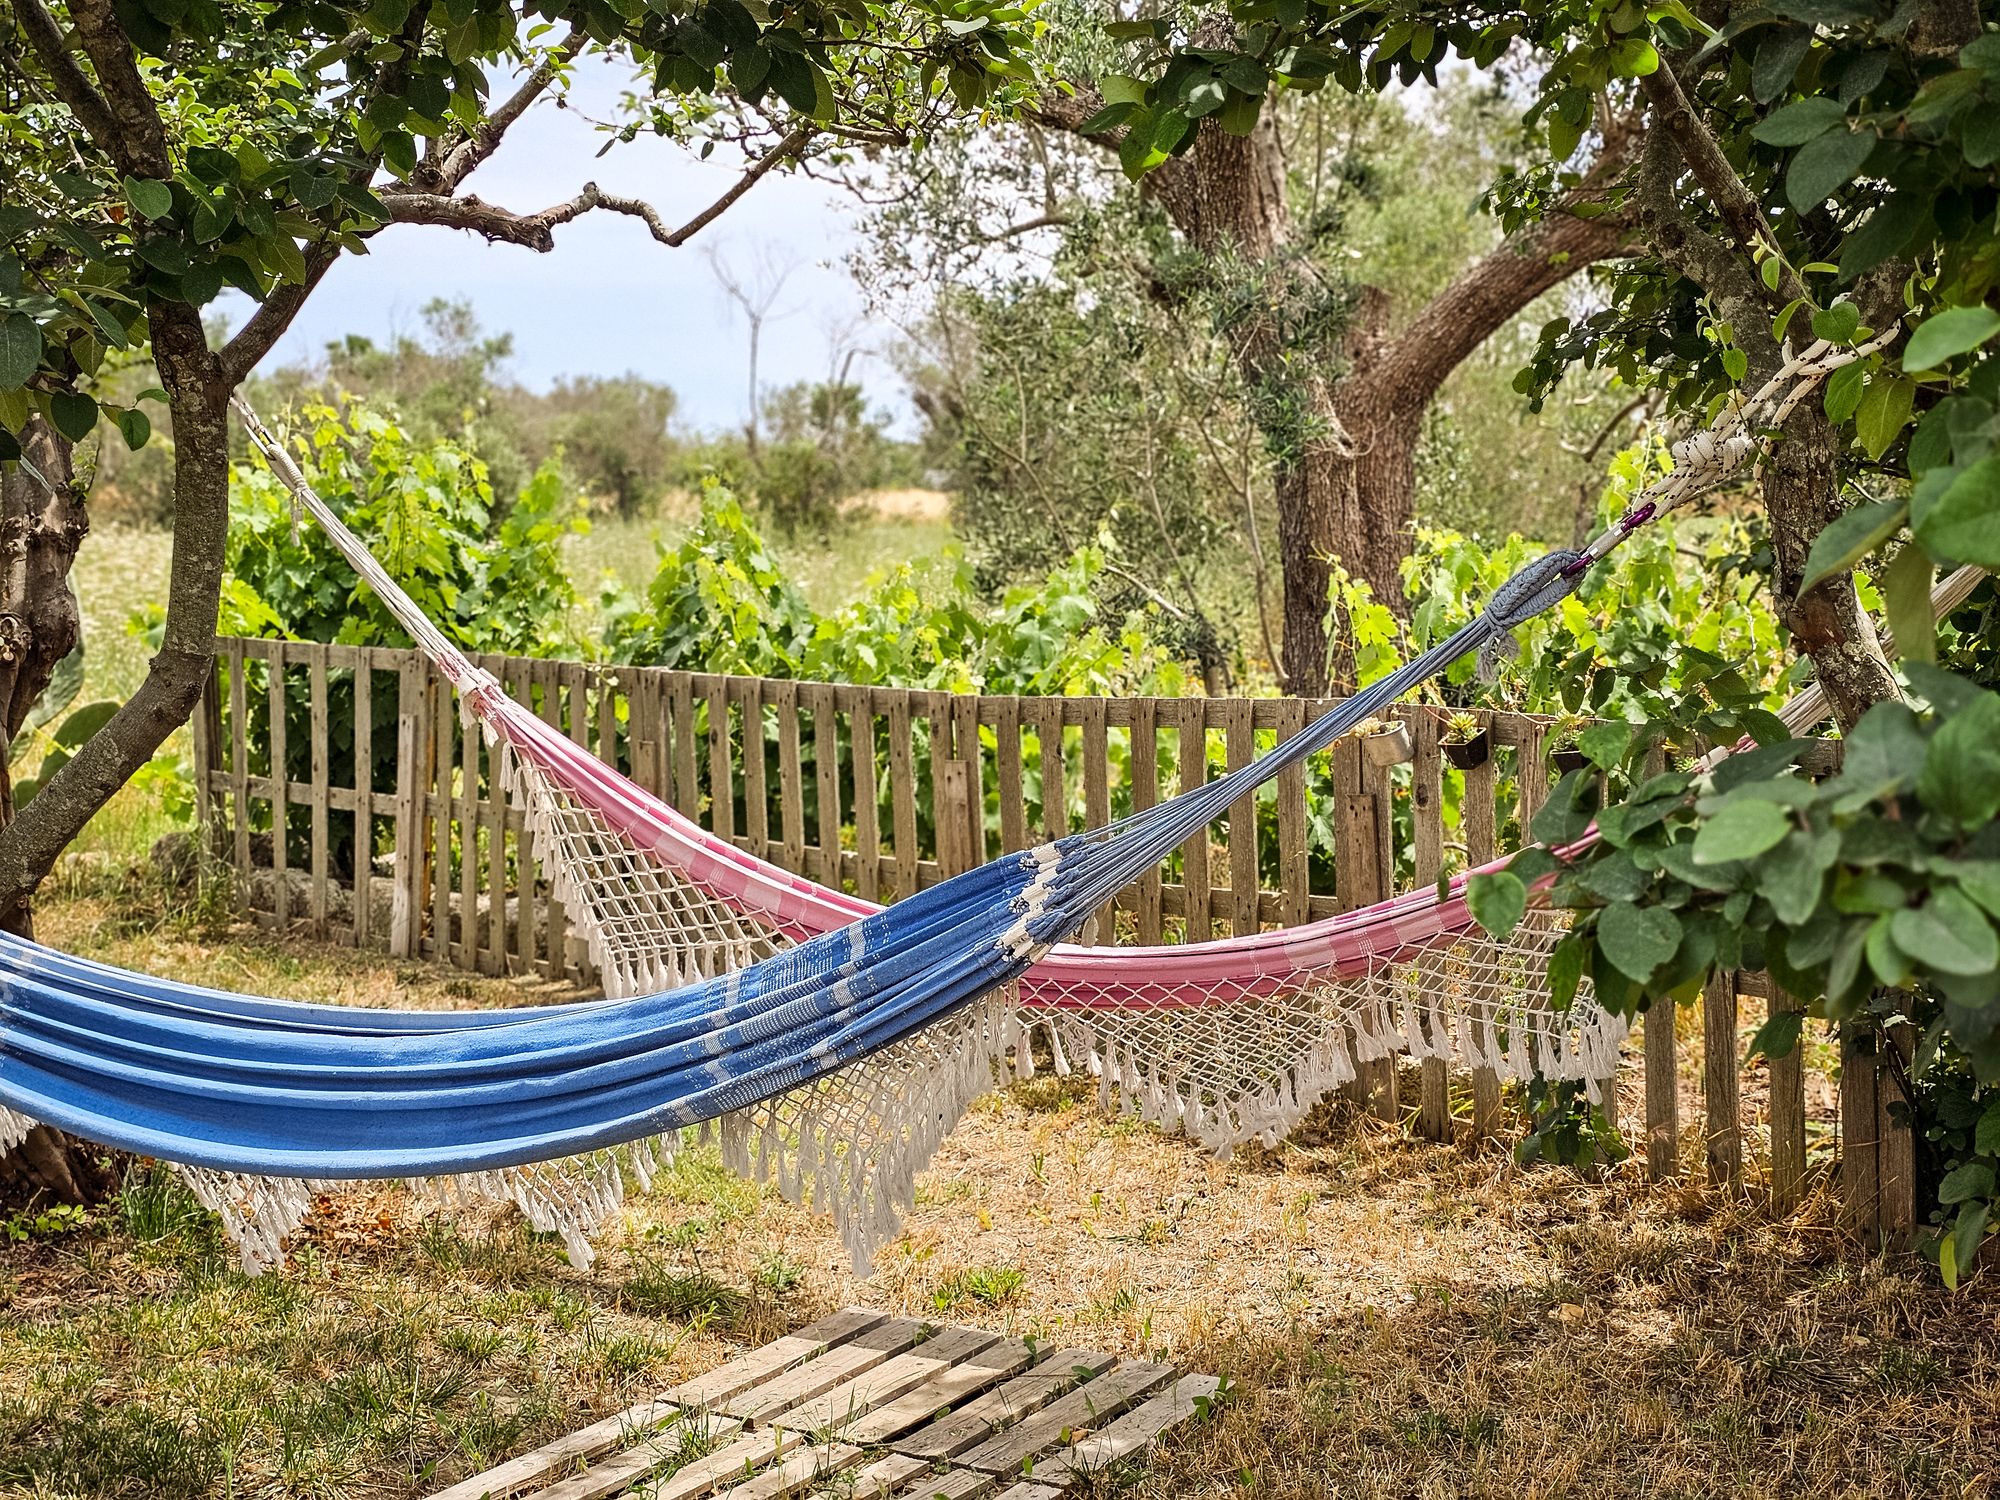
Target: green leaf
[1118,89]
[1135,152]
[1906,590]
[1947,692]
[1837,323]
[85,722]
[1890,963]
[20,350]
[1965,1237]
[1792,875]
[1613,877]
[1566,966]
[1798,122]
[1638,939]
[280,253]
[201,284]
[1986,1140]
[114,335]
[1497,901]
[1108,118]
[1824,165]
[136,427]
[1951,332]
[164,253]
[74,414]
[1633,57]
[1564,817]
[314,190]
[1948,933]
[1779,54]
[1851,537]
[1756,765]
[1239,115]
[1973,1180]
[1843,392]
[1885,407]
[1606,744]
[1961,775]
[1964,522]
[1778,1035]
[1741,830]
[154,200]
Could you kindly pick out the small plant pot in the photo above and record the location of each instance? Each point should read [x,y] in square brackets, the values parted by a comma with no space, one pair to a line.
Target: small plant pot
[1569,760]
[1387,747]
[1470,755]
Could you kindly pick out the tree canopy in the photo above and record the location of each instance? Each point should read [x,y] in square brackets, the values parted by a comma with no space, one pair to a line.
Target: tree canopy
[160,150]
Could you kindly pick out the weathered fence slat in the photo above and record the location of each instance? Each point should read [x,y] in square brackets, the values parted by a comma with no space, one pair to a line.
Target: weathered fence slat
[1146,793]
[903,789]
[1477,820]
[281,889]
[1663,1097]
[1007,774]
[1096,745]
[317,720]
[364,795]
[1787,1082]
[239,759]
[750,692]
[527,941]
[867,793]
[493,957]
[1427,860]
[826,772]
[1200,927]
[1722,1129]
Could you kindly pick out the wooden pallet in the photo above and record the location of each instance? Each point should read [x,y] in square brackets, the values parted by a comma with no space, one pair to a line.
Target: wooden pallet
[903,1407]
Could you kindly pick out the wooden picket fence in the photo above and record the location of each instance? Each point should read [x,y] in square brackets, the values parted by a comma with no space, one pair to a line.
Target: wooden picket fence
[425,857]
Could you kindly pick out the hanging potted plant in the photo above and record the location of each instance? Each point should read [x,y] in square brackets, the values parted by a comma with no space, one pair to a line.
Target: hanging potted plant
[1384,741]
[1566,757]
[1466,744]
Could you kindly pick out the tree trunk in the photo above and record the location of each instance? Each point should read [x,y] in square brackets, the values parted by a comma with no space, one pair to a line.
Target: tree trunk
[1344,446]
[50,1167]
[199,397]
[1802,495]
[42,522]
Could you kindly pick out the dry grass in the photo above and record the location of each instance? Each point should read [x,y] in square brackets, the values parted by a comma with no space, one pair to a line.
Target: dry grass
[1398,1319]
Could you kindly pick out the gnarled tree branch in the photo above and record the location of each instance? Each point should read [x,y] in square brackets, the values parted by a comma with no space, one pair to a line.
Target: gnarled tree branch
[1698,147]
[486,137]
[535,231]
[65,77]
[139,144]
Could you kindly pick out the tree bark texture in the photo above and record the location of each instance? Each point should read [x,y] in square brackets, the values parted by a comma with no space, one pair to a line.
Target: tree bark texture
[1343,422]
[42,522]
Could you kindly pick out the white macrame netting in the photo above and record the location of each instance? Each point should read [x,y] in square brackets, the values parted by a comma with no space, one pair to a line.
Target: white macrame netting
[1243,1066]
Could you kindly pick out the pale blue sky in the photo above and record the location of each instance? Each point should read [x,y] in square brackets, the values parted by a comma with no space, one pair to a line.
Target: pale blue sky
[609,298]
